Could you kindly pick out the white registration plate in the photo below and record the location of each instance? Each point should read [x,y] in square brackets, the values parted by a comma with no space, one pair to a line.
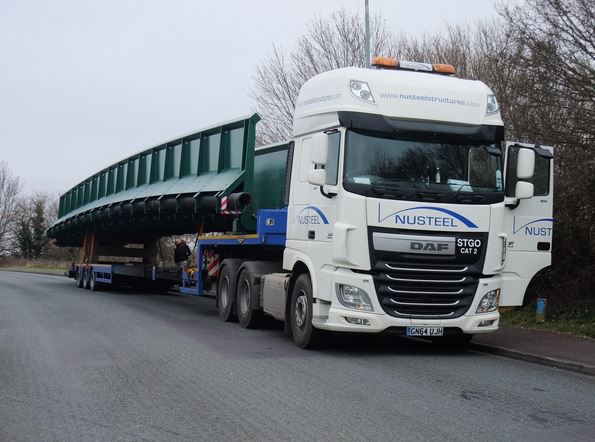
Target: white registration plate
[425,331]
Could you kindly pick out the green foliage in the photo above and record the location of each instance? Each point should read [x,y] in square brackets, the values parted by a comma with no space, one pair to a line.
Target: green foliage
[45,265]
[23,237]
[578,320]
[39,224]
[31,219]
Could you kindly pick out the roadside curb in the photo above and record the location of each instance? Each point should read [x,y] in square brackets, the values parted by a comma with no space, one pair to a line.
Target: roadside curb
[536,359]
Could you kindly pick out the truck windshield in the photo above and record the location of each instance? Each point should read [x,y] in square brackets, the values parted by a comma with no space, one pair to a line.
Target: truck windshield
[386,167]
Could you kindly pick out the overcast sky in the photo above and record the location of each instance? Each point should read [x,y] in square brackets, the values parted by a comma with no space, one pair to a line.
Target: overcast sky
[85,83]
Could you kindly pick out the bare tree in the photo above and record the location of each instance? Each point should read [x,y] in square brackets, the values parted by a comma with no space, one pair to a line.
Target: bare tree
[329,43]
[556,47]
[553,102]
[10,187]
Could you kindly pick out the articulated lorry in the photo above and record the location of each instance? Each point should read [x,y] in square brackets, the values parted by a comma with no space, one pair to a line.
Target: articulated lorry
[397,205]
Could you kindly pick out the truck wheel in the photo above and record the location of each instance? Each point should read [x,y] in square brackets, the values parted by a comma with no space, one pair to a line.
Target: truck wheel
[300,314]
[226,291]
[245,294]
[93,284]
[79,278]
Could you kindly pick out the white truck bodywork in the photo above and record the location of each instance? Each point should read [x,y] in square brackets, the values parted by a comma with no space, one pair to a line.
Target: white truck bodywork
[337,233]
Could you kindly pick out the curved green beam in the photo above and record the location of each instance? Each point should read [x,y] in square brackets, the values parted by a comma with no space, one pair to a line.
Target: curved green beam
[169,177]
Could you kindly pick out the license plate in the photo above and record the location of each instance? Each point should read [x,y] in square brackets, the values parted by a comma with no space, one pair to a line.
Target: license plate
[425,331]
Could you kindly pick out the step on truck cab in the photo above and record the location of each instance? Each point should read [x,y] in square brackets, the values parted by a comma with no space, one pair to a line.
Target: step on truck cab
[406,208]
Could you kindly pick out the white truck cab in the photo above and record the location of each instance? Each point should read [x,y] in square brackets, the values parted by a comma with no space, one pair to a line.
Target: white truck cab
[407,207]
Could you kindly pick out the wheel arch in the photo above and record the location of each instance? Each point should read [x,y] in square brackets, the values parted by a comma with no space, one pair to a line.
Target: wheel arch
[534,285]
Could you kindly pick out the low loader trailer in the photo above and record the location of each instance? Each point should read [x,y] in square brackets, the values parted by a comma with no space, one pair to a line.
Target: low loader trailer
[398,205]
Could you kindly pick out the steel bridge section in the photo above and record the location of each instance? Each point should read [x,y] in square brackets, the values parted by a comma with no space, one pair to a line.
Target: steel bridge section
[160,190]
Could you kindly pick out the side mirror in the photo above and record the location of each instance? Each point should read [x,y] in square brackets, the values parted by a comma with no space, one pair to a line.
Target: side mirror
[319,152]
[525,165]
[523,190]
[317,177]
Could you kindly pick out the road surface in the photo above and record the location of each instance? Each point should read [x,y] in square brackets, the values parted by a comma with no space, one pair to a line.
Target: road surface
[80,365]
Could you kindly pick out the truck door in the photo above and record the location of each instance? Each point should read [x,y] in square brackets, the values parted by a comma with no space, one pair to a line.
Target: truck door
[528,223]
[311,213]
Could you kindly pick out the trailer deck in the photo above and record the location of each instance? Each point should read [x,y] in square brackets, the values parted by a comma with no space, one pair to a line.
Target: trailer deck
[270,231]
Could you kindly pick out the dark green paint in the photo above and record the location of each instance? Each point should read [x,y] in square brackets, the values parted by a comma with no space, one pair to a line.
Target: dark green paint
[216,161]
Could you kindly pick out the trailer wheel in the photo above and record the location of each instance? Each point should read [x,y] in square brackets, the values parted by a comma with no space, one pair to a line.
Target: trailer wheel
[300,315]
[226,290]
[86,279]
[93,284]
[246,293]
[79,278]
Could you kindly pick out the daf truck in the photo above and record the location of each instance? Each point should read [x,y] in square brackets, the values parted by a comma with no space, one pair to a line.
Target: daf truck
[400,206]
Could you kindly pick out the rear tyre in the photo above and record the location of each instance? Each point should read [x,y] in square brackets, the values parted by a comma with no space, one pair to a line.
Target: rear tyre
[93,284]
[300,314]
[79,278]
[226,290]
[247,298]
[86,279]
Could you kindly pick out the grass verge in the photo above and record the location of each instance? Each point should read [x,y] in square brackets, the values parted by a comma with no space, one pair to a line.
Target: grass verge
[577,322]
[33,269]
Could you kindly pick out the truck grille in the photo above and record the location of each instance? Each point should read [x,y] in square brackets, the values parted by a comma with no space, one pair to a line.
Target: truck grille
[438,291]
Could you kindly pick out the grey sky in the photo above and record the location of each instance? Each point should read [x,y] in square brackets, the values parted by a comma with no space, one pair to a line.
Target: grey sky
[84,84]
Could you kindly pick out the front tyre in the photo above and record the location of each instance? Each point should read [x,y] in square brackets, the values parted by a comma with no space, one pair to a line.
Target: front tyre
[300,314]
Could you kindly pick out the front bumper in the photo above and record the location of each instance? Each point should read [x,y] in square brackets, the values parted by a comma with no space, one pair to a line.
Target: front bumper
[332,316]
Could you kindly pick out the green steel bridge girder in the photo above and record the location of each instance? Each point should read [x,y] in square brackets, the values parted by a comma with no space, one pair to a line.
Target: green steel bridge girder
[159,190]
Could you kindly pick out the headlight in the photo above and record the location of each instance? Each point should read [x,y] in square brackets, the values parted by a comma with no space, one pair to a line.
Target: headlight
[361,90]
[353,297]
[492,105]
[489,302]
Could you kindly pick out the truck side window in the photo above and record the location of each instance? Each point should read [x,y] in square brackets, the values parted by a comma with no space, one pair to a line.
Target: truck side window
[304,164]
[332,164]
[288,167]
[541,176]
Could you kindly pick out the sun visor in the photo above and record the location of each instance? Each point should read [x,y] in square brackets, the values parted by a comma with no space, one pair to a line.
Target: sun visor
[427,130]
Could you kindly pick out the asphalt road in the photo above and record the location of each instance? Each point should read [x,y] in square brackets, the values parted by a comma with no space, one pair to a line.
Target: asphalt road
[80,365]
